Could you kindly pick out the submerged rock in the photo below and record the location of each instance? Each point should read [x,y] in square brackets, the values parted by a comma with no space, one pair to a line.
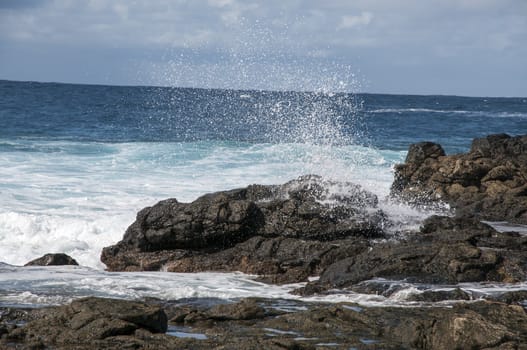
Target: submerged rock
[490,181]
[53,259]
[269,230]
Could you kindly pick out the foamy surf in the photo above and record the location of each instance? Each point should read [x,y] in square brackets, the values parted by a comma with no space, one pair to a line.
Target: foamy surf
[43,286]
[78,197]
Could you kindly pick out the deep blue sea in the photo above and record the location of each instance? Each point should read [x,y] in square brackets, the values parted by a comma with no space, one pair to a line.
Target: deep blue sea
[78,161]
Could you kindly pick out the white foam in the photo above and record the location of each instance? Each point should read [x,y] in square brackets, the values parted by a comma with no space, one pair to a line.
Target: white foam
[26,236]
[57,285]
[76,198]
[467,113]
[504,226]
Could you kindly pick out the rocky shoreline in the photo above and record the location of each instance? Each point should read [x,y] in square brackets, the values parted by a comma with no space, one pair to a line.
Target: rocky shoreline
[91,323]
[314,227]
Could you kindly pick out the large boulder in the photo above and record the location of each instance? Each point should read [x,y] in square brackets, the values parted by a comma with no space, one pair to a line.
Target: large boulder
[270,230]
[490,181]
[218,220]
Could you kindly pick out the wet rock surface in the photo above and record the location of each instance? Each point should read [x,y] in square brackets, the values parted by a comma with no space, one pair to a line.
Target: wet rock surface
[489,182]
[446,250]
[53,260]
[284,232]
[260,324]
[86,321]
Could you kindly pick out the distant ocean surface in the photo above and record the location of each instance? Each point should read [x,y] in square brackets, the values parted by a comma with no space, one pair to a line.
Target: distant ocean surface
[78,161]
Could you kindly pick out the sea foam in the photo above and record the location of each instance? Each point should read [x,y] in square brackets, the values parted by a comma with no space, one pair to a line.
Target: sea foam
[77,202]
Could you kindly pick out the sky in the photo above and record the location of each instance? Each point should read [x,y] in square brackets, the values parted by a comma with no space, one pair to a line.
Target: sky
[448,47]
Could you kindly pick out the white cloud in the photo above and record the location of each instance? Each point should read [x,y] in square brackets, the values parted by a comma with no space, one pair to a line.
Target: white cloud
[385,31]
[305,26]
[347,22]
[121,10]
[220,3]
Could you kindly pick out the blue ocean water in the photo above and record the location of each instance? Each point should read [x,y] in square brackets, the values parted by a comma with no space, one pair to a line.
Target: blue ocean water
[111,114]
[78,161]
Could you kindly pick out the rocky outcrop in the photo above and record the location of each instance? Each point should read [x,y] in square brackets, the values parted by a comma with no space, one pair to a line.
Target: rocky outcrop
[288,230]
[490,181]
[53,259]
[89,321]
[257,324]
[447,250]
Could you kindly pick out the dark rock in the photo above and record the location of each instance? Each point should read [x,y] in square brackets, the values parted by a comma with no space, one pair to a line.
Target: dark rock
[247,309]
[466,326]
[90,319]
[491,146]
[415,262]
[53,259]
[13,316]
[432,296]
[177,314]
[463,326]
[217,220]
[286,232]
[448,250]
[444,224]
[243,325]
[119,257]
[4,329]
[514,297]
[419,152]
[222,219]
[277,260]
[490,181]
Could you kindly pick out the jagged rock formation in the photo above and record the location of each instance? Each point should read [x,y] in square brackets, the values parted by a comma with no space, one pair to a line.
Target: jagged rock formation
[489,182]
[290,230]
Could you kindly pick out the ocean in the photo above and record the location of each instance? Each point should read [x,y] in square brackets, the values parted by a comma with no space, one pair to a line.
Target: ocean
[77,162]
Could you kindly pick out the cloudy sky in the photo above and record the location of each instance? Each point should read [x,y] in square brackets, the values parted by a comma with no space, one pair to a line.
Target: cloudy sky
[460,47]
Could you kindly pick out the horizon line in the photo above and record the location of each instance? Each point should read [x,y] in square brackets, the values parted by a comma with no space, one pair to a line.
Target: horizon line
[253,90]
